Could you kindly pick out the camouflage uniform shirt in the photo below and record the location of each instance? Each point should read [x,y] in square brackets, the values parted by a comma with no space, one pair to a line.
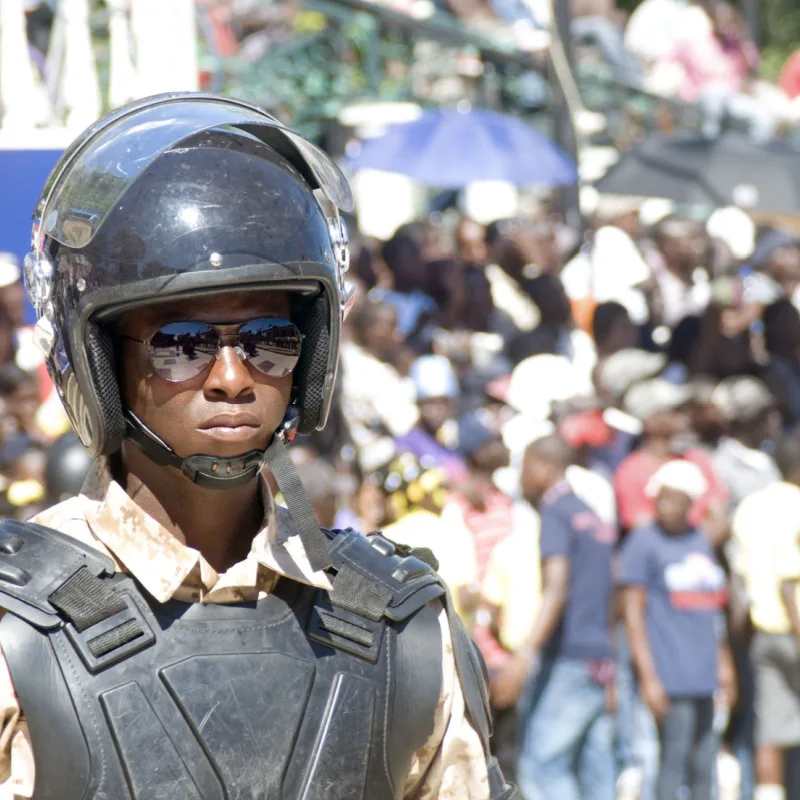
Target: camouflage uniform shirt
[450,765]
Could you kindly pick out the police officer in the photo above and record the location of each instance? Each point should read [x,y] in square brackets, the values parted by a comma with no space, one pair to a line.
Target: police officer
[170,632]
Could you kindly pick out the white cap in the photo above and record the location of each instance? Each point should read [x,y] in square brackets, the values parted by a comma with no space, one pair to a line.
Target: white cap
[539,381]
[626,367]
[742,398]
[433,376]
[734,227]
[683,476]
[654,209]
[656,394]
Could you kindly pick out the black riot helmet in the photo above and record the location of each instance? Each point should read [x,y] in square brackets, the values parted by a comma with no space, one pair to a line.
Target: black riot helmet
[173,196]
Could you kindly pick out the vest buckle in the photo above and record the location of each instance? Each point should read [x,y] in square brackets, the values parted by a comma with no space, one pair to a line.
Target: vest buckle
[112,639]
[343,630]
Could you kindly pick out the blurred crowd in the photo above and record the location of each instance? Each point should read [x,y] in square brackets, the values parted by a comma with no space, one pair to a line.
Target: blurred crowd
[693,51]
[41,460]
[596,436]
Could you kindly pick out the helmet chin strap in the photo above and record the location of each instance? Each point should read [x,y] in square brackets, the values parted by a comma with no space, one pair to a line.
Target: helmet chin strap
[210,472]
[215,472]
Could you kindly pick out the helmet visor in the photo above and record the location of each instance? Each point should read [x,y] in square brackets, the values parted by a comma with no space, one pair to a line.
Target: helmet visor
[96,179]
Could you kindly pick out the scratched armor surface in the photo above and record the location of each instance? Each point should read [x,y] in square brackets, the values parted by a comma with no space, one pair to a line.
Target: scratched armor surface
[233,702]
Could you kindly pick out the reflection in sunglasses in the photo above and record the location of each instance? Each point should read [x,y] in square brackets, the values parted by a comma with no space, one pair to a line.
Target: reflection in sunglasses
[181,351]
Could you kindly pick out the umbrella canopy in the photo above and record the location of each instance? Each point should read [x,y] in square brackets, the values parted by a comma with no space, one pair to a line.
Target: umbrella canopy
[449,149]
[730,170]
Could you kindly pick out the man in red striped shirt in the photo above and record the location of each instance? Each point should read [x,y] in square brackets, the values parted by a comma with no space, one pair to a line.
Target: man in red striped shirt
[487,516]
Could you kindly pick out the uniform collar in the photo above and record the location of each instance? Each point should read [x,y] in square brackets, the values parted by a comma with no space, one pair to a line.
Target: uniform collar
[169,569]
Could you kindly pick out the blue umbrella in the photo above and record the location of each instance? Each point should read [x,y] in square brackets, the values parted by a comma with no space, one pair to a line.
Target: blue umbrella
[448,148]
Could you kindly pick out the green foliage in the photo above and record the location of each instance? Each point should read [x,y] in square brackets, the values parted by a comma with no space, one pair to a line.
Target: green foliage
[773,57]
[780,33]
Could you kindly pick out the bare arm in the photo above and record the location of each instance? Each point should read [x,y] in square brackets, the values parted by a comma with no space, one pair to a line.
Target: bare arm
[555,590]
[726,674]
[634,603]
[507,685]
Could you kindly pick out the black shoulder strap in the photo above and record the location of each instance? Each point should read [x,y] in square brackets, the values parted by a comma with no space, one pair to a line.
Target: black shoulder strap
[50,580]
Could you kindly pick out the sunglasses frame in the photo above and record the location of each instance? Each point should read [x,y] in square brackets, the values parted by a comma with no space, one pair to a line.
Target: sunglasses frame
[232,337]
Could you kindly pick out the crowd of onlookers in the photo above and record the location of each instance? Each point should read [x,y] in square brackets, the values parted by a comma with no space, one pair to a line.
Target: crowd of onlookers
[41,460]
[692,51]
[596,436]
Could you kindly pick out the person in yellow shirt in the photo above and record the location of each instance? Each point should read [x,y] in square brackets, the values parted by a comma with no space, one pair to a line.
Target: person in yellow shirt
[413,498]
[766,535]
[510,598]
[511,587]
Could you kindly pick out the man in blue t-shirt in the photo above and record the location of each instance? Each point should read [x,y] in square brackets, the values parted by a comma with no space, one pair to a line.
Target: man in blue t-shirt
[674,591]
[566,751]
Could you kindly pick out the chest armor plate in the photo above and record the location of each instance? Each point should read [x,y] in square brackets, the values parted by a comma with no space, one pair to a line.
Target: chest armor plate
[285,699]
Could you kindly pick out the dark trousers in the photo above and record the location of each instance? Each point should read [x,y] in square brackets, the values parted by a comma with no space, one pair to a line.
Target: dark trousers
[688,749]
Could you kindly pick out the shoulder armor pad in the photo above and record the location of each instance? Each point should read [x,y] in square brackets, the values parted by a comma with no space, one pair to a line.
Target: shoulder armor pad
[375,578]
[378,578]
[35,561]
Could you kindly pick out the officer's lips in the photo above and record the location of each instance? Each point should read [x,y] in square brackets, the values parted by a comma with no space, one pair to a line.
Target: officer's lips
[231,427]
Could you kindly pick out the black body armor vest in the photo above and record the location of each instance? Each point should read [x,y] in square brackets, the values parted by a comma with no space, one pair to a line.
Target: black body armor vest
[304,695]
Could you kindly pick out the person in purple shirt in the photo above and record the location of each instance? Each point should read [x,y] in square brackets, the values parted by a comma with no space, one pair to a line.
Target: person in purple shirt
[673,594]
[437,393]
[567,734]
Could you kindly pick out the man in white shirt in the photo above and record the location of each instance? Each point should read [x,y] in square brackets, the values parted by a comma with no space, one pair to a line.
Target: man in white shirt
[613,268]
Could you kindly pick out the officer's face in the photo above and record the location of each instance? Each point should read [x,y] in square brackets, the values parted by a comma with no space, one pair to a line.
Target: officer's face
[187,415]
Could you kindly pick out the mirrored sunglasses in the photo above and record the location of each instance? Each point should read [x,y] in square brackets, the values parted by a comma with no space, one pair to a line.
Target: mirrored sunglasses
[180,351]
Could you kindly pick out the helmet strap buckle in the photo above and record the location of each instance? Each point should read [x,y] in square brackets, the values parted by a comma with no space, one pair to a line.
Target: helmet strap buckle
[288,428]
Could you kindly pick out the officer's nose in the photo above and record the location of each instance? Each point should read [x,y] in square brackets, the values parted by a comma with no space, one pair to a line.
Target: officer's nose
[229,375]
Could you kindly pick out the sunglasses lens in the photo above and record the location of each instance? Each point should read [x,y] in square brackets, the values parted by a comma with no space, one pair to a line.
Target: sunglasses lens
[272,346]
[181,351]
